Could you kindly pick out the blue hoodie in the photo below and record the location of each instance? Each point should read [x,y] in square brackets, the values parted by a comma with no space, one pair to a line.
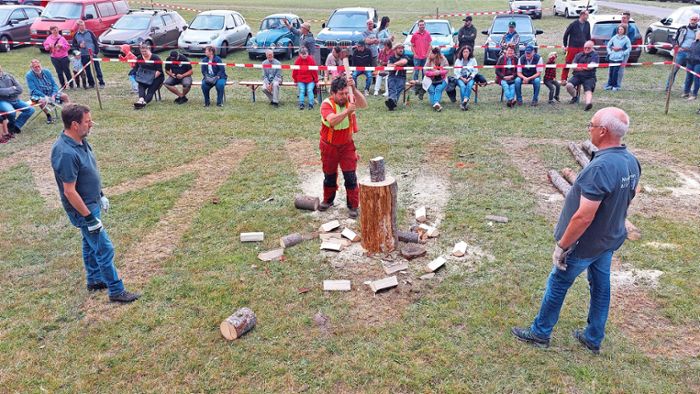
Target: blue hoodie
[619,41]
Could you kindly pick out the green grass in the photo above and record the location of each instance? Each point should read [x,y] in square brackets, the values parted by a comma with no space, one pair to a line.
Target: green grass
[453,338]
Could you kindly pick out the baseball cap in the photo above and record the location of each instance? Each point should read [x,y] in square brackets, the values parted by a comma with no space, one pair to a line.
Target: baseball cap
[529,48]
[511,24]
[468,18]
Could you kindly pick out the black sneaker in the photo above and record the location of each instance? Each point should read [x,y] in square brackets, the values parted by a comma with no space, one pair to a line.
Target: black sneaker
[125,297]
[524,334]
[91,287]
[301,107]
[178,100]
[588,107]
[578,334]
[353,213]
[323,206]
[49,119]
[310,107]
[573,100]
[183,99]
[12,128]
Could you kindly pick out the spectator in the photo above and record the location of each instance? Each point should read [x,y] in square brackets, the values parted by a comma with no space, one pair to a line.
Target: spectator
[467,33]
[438,77]
[125,56]
[682,41]
[178,74]
[272,78]
[397,78]
[306,38]
[466,75]
[213,75]
[382,76]
[383,33]
[506,74]
[584,76]
[5,134]
[421,44]
[77,68]
[305,79]
[361,57]
[86,42]
[11,105]
[149,76]
[58,47]
[529,75]
[632,35]
[618,48]
[371,40]
[43,89]
[550,78]
[335,59]
[693,64]
[576,34]
[511,38]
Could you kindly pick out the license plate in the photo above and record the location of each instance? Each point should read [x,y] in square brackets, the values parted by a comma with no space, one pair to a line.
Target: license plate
[112,48]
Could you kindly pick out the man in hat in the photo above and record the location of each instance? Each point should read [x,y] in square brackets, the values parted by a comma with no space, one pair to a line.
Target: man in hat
[511,38]
[178,74]
[397,78]
[306,39]
[467,33]
[529,73]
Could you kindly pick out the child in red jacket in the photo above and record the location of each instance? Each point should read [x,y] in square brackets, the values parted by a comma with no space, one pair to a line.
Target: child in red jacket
[305,79]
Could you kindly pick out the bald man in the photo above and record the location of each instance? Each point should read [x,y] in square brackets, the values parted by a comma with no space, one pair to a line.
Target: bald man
[584,75]
[590,228]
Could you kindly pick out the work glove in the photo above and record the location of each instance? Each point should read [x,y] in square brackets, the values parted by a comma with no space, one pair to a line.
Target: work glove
[559,257]
[104,203]
[94,224]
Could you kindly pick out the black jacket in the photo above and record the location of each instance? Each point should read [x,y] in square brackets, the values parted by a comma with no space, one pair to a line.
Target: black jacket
[362,59]
[467,36]
[694,54]
[576,35]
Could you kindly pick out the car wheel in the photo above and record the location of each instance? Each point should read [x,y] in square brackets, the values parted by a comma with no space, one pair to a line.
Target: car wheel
[251,56]
[648,41]
[247,40]
[5,45]
[224,49]
[566,13]
[554,10]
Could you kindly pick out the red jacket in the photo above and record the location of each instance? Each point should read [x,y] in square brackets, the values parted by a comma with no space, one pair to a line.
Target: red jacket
[305,76]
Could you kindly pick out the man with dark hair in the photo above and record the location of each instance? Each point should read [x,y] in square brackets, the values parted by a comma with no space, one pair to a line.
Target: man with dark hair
[397,78]
[576,34]
[17,111]
[467,33]
[178,74]
[421,42]
[338,123]
[362,57]
[78,179]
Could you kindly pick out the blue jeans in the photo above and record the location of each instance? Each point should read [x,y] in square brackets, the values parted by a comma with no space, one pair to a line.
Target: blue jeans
[696,80]
[621,72]
[536,83]
[508,89]
[465,89]
[17,118]
[368,78]
[559,283]
[613,73]
[682,59]
[306,89]
[133,83]
[98,257]
[396,86]
[435,92]
[220,85]
[418,63]
[690,79]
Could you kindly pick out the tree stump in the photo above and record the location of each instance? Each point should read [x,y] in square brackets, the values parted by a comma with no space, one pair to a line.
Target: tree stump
[238,324]
[378,217]
[408,236]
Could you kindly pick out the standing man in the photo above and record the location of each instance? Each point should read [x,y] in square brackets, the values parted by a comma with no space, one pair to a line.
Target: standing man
[590,228]
[85,41]
[397,78]
[682,41]
[370,38]
[467,34]
[631,34]
[306,39]
[272,78]
[584,75]
[338,123]
[578,32]
[178,74]
[78,179]
[420,42]
[529,75]
[17,111]
[43,89]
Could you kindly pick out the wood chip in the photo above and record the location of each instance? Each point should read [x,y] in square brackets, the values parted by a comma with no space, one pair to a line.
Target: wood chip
[330,226]
[460,249]
[385,283]
[390,268]
[435,264]
[252,237]
[351,235]
[430,231]
[336,285]
[421,215]
[271,255]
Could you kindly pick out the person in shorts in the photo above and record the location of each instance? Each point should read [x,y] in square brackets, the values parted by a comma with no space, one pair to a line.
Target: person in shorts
[178,74]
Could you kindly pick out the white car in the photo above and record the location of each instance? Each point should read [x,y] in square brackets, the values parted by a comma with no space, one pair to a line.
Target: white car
[221,29]
[527,7]
[572,8]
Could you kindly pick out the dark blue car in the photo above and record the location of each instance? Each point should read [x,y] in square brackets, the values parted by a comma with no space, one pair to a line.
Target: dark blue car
[344,28]
[273,34]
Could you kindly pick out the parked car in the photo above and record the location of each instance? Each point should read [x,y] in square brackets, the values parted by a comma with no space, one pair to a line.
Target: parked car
[222,29]
[24,2]
[527,7]
[160,29]
[273,34]
[499,27]
[442,35]
[98,15]
[344,27]
[573,8]
[603,27]
[15,21]
[663,31]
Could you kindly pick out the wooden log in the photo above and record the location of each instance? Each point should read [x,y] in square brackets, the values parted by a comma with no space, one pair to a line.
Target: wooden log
[306,202]
[383,284]
[330,226]
[435,264]
[239,323]
[460,249]
[390,268]
[271,255]
[378,220]
[578,154]
[569,175]
[349,234]
[411,251]
[252,237]
[560,183]
[337,285]
[497,219]
[376,169]
[588,147]
[421,215]
[409,236]
[290,240]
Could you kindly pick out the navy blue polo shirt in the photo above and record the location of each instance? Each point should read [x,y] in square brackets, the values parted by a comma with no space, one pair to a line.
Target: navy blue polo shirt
[74,162]
[611,178]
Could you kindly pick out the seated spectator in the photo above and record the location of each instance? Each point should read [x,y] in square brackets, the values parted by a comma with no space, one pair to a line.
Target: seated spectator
[382,76]
[529,75]
[272,78]
[16,110]
[5,134]
[511,38]
[149,76]
[362,57]
[396,78]
[618,48]
[506,74]
[178,74]
[584,76]
[125,56]
[466,75]
[305,79]
[335,59]
[693,64]
[438,77]
[43,89]
[550,78]
[213,75]
[77,68]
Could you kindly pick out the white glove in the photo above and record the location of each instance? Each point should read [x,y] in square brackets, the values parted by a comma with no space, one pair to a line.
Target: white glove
[104,203]
[559,257]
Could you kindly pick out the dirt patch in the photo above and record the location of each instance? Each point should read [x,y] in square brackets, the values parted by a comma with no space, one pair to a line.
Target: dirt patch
[624,276]
[439,153]
[37,157]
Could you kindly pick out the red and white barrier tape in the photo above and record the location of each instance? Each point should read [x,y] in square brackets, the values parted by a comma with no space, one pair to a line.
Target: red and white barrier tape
[688,70]
[480,13]
[170,6]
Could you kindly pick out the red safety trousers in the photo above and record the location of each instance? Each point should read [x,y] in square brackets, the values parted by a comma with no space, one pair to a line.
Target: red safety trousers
[570,54]
[346,157]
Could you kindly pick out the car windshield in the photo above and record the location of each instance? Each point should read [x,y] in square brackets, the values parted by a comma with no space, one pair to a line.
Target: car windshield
[345,20]
[4,14]
[62,11]
[607,29]
[208,22]
[133,22]
[522,25]
[435,28]
[272,24]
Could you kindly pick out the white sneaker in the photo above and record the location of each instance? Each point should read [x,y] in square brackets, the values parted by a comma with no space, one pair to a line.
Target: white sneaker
[366,92]
[376,93]
[386,94]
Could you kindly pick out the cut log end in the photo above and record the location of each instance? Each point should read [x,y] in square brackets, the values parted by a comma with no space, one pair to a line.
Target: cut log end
[290,240]
[306,202]
[376,169]
[238,324]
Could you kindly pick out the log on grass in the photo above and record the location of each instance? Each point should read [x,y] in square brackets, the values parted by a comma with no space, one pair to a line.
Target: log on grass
[560,183]
[306,202]
[378,219]
[588,147]
[238,324]
[376,169]
[578,154]
[290,240]
[569,175]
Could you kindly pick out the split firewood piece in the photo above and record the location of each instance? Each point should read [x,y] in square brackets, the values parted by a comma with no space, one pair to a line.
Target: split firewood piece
[497,219]
[560,183]
[460,249]
[435,264]
[578,154]
[421,215]
[336,285]
[349,234]
[430,231]
[271,255]
[411,251]
[306,202]
[330,226]
[238,324]
[409,236]
[335,237]
[427,276]
[332,246]
[383,284]
[588,147]
[569,175]
[252,237]
[376,169]
[290,240]
[390,268]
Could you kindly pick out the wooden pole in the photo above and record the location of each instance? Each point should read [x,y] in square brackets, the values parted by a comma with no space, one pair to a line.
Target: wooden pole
[97,87]
[569,175]
[671,81]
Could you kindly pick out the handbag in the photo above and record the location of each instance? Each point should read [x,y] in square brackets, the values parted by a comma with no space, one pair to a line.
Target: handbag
[451,84]
[210,79]
[427,82]
[145,76]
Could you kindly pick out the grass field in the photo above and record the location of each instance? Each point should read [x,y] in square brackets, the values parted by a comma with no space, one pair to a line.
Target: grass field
[163,166]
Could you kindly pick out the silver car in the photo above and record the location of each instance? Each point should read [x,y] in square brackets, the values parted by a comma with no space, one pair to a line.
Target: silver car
[221,29]
[15,21]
